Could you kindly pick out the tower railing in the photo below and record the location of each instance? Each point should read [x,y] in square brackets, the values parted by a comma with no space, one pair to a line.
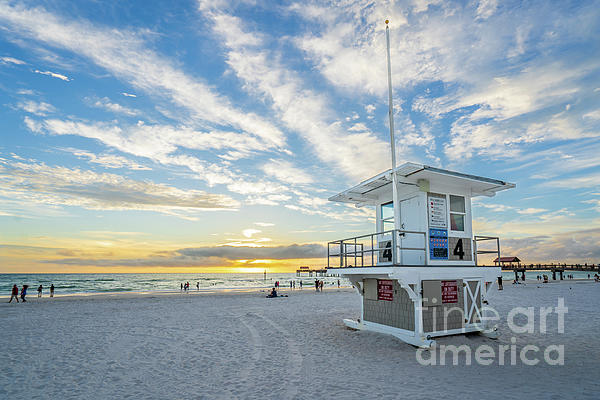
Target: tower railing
[375,249]
[477,251]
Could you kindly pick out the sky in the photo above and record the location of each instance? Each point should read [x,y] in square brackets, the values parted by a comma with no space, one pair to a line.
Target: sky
[207,135]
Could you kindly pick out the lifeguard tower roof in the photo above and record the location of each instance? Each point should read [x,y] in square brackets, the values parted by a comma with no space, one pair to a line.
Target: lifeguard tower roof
[367,192]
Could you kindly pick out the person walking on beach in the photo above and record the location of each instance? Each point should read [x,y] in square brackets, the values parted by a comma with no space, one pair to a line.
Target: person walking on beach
[182,287]
[198,286]
[52,290]
[338,283]
[14,293]
[316,285]
[40,291]
[24,293]
[300,285]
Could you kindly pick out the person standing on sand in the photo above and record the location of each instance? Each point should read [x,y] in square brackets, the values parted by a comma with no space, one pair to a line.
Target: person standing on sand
[24,293]
[14,293]
[52,290]
[40,291]
[182,287]
[198,286]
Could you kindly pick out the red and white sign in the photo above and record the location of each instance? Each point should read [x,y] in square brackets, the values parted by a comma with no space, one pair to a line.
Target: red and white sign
[449,292]
[385,290]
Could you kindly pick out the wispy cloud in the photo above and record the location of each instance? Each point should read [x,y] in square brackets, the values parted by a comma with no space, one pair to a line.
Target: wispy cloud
[108,160]
[124,54]
[37,182]
[128,94]
[303,110]
[106,104]
[285,172]
[11,60]
[37,108]
[159,143]
[53,74]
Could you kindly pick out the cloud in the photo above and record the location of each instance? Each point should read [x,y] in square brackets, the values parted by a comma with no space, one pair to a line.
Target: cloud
[495,88]
[486,8]
[203,256]
[264,224]
[108,160]
[160,143]
[11,60]
[116,108]
[575,246]
[591,180]
[36,108]
[301,109]
[53,74]
[594,115]
[27,92]
[39,183]
[285,172]
[124,54]
[250,232]
[267,199]
[128,94]
[294,251]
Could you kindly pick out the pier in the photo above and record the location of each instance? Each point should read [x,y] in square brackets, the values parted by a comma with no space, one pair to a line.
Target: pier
[555,268]
[304,272]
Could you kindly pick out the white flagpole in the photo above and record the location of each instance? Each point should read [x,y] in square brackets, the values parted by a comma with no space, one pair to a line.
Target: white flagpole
[392,140]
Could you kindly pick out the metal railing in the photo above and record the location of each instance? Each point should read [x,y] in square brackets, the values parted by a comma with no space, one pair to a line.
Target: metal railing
[377,249]
[476,251]
[365,250]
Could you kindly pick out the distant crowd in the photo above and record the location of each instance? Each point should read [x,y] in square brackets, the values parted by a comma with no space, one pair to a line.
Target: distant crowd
[14,294]
[185,286]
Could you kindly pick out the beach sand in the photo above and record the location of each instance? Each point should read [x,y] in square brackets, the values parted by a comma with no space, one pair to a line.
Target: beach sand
[242,345]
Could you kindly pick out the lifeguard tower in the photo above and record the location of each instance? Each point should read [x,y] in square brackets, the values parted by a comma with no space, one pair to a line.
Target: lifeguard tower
[417,274]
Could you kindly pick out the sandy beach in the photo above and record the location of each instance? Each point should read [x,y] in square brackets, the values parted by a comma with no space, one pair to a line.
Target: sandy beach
[242,345]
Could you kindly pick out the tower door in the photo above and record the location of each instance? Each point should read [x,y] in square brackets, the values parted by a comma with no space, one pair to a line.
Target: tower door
[472,300]
[410,221]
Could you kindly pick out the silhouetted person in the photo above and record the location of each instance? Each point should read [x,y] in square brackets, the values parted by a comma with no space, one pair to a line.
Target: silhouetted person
[14,293]
[24,293]
[198,285]
[272,294]
[40,291]
[52,290]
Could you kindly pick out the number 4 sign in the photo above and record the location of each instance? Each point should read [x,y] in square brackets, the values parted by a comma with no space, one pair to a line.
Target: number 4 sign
[460,249]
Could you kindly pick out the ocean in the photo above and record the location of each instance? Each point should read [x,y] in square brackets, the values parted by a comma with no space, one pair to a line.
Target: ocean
[101,283]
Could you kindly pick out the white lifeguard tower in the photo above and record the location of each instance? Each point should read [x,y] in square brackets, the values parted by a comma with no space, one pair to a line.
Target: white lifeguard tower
[417,274]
